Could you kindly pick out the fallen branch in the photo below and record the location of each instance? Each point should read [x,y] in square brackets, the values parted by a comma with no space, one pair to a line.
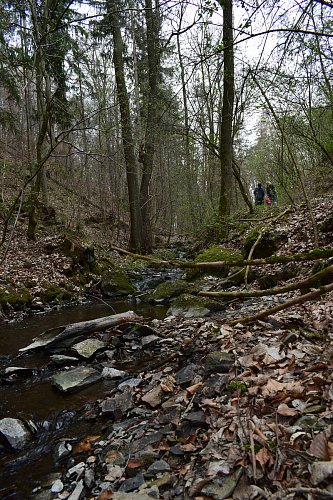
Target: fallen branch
[272,310]
[64,332]
[316,254]
[299,285]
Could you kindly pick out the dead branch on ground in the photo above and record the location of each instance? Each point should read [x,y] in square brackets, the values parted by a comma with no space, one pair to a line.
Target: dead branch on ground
[299,285]
[315,294]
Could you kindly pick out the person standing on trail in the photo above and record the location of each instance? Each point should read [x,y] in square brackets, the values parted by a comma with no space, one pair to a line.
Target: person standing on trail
[271,192]
[259,195]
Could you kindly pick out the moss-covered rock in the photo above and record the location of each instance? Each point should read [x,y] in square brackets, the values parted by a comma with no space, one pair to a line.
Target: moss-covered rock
[218,362]
[190,306]
[215,253]
[16,298]
[52,292]
[115,283]
[268,244]
[168,289]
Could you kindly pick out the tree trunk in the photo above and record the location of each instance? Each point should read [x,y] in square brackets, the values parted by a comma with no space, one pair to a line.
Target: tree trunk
[227,111]
[127,134]
[152,23]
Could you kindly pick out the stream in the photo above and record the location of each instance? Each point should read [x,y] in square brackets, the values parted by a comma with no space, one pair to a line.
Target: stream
[32,398]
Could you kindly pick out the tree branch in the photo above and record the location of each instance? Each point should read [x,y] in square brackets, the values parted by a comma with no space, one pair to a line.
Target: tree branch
[286,305]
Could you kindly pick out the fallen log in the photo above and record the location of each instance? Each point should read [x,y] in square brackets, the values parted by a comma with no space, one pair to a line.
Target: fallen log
[316,254]
[59,333]
[289,303]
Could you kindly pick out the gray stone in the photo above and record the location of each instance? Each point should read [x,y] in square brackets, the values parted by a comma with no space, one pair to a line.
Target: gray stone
[111,373]
[148,340]
[140,495]
[130,383]
[89,478]
[186,375]
[218,361]
[18,371]
[132,484]
[57,486]
[118,406]
[88,348]
[320,471]
[61,359]
[141,444]
[196,418]
[76,469]
[222,488]
[75,379]
[153,397]
[62,449]
[76,495]
[158,467]
[15,432]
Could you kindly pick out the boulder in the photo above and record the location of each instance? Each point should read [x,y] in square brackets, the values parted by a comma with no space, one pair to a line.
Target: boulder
[267,245]
[115,283]
[190,306]
[216,253]
[14,432]
[167,290]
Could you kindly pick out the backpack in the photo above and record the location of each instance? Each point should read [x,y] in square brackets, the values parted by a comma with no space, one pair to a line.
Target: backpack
[268,200]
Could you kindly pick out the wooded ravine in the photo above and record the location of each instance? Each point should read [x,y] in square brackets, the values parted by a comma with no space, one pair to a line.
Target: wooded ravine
[133,136]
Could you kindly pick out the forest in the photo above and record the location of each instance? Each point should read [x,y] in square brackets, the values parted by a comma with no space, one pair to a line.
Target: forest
[164,335]
[159,118]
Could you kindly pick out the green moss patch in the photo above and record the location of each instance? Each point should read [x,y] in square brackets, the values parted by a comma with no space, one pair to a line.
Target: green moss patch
[115,282]
[169,289]
[17,298]
[52,292]
[215,253]
[188,305]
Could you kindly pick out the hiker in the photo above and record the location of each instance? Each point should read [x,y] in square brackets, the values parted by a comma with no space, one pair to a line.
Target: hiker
[259,195]
[271,193]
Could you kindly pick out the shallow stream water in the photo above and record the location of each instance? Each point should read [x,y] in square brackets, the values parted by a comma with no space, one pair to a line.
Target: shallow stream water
[35,399]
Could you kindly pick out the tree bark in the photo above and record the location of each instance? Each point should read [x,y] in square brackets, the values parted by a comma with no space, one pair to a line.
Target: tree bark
[127,134]
[60,333]
[226,125]
[152,29]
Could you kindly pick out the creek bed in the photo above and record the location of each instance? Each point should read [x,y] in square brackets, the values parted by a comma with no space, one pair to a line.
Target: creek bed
[55,414]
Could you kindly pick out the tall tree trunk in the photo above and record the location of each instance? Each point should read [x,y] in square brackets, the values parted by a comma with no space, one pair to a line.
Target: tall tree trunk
[152,23]
[227,111]
[40,30]
[187,162]
[127,134]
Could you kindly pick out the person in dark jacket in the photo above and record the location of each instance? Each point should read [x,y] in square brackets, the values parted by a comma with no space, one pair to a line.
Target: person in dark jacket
[271,192]
[259,195]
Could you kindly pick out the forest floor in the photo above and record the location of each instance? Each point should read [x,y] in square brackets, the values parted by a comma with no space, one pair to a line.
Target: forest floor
[256,423]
